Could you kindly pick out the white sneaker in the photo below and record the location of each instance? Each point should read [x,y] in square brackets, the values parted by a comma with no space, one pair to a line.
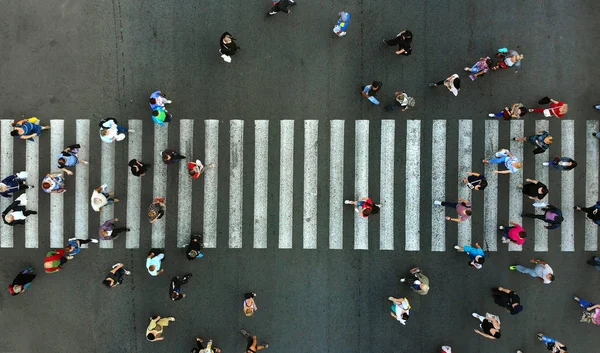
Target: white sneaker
[226,58]
[94,241]
[437,203]
[85,162]
[505,240]
[347,202]
[104,186]
[168,102]
[117,264]
[546,164]
[491,115]
[379,205]
[127,272]
[72,239]
[477,316]
[456,247]
[131,130]
[272,13]
[501,227]
[402,279]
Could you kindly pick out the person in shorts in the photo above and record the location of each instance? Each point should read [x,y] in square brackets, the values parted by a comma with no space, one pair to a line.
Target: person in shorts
[476,254]
[253,346]
[115,276]
[364,207]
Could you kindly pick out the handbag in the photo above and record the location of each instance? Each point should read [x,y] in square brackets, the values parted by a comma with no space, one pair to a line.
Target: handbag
[545,100]
[547,113]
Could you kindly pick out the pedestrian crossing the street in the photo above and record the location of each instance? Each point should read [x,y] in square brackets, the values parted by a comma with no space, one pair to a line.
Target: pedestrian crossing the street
[281,184]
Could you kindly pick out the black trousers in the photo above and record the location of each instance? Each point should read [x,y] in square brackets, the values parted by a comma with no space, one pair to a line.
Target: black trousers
[538,216]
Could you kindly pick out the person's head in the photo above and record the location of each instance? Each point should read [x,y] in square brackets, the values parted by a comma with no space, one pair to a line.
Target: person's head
[522,234]
[376,85]
[367,212]
[456,83]
[550,277]
[9,218]
[375,209]
[468,212]
[572,164]
[61,162]
[3,187]
[46,185]
[406,34]
[489,62]
[152,268]
[14,132]
[48,264]
[17,288]
[522,111]
[104,233]
[69,248]
[549,139]
[497,334]
[227,39]
[152,213]
[480,259]
[194,171]
[174,295]
[151,336]
[518,165]
[193,253]
[152,100]
[155,112]
[248,311]
[109,282]
[543,190]
[483,184]
[104,132]
[405,316]
[559,219]
[516,309]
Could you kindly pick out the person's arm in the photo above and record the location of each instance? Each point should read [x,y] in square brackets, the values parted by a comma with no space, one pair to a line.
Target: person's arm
[66,171]
[25,137]
[494,322]
[365,90]
[394,315]
[401,51]
[485,335]
[151,255]
[531,180]
[538,261]
[463,200]
[473,174]
[595,306]
[501,171]
[457,220]
[512,223]
[505,290]
[114,270]
[552,226]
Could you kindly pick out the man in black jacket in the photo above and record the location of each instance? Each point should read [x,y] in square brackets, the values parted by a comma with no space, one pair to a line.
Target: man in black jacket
[16,213]
[281,5]
[175,289]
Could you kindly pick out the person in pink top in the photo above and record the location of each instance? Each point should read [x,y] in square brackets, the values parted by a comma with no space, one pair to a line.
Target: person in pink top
[514,232]
[591,314]
[463,209]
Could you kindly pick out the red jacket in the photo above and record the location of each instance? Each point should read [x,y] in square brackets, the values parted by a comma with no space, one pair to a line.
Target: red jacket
[54,257]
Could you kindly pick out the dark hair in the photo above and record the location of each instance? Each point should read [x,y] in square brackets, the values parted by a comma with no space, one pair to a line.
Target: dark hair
[367,212]
[481,260]
[107,283]
[483,184]
[523,111]
[155,112]
[558,219]
[152,101]
[192,171]
[405,316]
[523,234]
[497,334]
[468,212]
[573,165]
[489,62]
[517,309]
[376,84]
[61,162]
[456,83]
[150,337]
[552,277]
[174,295]
[14,133]
[544,190]
[407,35]
[375,209]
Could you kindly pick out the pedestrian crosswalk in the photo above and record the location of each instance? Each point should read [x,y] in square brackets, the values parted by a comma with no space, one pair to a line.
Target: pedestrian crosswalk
[281,184]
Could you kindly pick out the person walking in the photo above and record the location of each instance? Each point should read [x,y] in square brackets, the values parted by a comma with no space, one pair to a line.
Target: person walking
[195,247]
[281,6]
[156,327]
[342,24]
[16,213]
[138,168]
[74,244]
[591,312]
[511,162]
[480,68]
[228,47]
[197,168]
[552,215]
[463,209]
[111,131]
[534,189]
[542,270]
[400,309]
[22,282]
[592,213]
[508,299]
[68,158]
[557,108]
[158,99]
[154,262]
[595,262]
[516,112]
[513,233]
[157,209]
[452,83]
[475,181]
[14,183]
[115,276]
[175,289]
[364,207]
[101,197]
[249,304]
[541,141]
[402,102]
[161,116]
[562,163]
[553,345]
[107,230]
[27,129]
[171,156]
[476,254]
[53,183]
[54,260]
[510,58]
[490,326]
[403,40]
[253,346]
[370,91]
[418,282]
[200,348]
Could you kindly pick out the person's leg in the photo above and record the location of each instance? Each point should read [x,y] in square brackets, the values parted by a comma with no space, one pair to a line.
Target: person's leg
[28,213]
[168,118]
[251,343]
[499,115]
[186,278]
[393,106]
[584,303]
[450,204]
[547,339]
[122,129]
[529,271]
[116,231]
[498,160]
[83,241]
[537,110]
[441,83]
[531,215]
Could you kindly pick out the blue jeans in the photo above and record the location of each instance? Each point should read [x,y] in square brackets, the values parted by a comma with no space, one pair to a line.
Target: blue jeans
[498,160]
[394,106]
[121,129]
[585,304]
[547,339]
[529,271]
[499,115]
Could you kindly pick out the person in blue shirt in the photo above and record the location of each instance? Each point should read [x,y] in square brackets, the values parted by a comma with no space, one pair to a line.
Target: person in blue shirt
[369,91]
[13,183]
[552,215]
[158,99]
[476,254]
[68,158]
[27,129]
[74,244]
[342,24]
[592,212]
[160,116]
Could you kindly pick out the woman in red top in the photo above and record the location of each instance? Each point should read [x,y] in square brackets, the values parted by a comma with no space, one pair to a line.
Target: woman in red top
[514,233]
[557,109]
[196,168]
[364,207]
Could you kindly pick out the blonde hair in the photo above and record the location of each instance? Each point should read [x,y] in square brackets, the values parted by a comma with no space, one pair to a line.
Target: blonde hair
[550,139]
[518,165]
[248,311]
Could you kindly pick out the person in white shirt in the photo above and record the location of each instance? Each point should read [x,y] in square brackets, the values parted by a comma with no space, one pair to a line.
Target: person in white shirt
[400,309]
[101,197]
[110,131]
[542,270]
[452,83]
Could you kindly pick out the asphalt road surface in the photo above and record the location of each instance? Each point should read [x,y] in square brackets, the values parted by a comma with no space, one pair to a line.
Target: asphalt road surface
[72,61]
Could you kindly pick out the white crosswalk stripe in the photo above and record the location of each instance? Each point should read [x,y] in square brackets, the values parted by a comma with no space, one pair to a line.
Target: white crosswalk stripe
[375,176]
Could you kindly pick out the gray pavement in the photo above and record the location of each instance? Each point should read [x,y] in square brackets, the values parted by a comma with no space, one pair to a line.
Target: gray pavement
[74,60]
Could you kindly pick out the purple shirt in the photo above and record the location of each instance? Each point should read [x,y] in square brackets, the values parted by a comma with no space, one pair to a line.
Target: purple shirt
[107,226]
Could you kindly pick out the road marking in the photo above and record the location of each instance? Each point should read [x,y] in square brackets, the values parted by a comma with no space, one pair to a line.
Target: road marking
[6,169]
[361,182]
[541,174]
[32,160]
[184,199]
[261,182]
[107,176]
[336,185]
[82,181]
[386,188]
[438,184]
[515,196]
[211,183]
[236,182]
[311,158]
[57,212]
[490,194]
[567,135]
[465,162]
[134,186]
[159,182]
[286,184]
[413,181]
[591,182]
